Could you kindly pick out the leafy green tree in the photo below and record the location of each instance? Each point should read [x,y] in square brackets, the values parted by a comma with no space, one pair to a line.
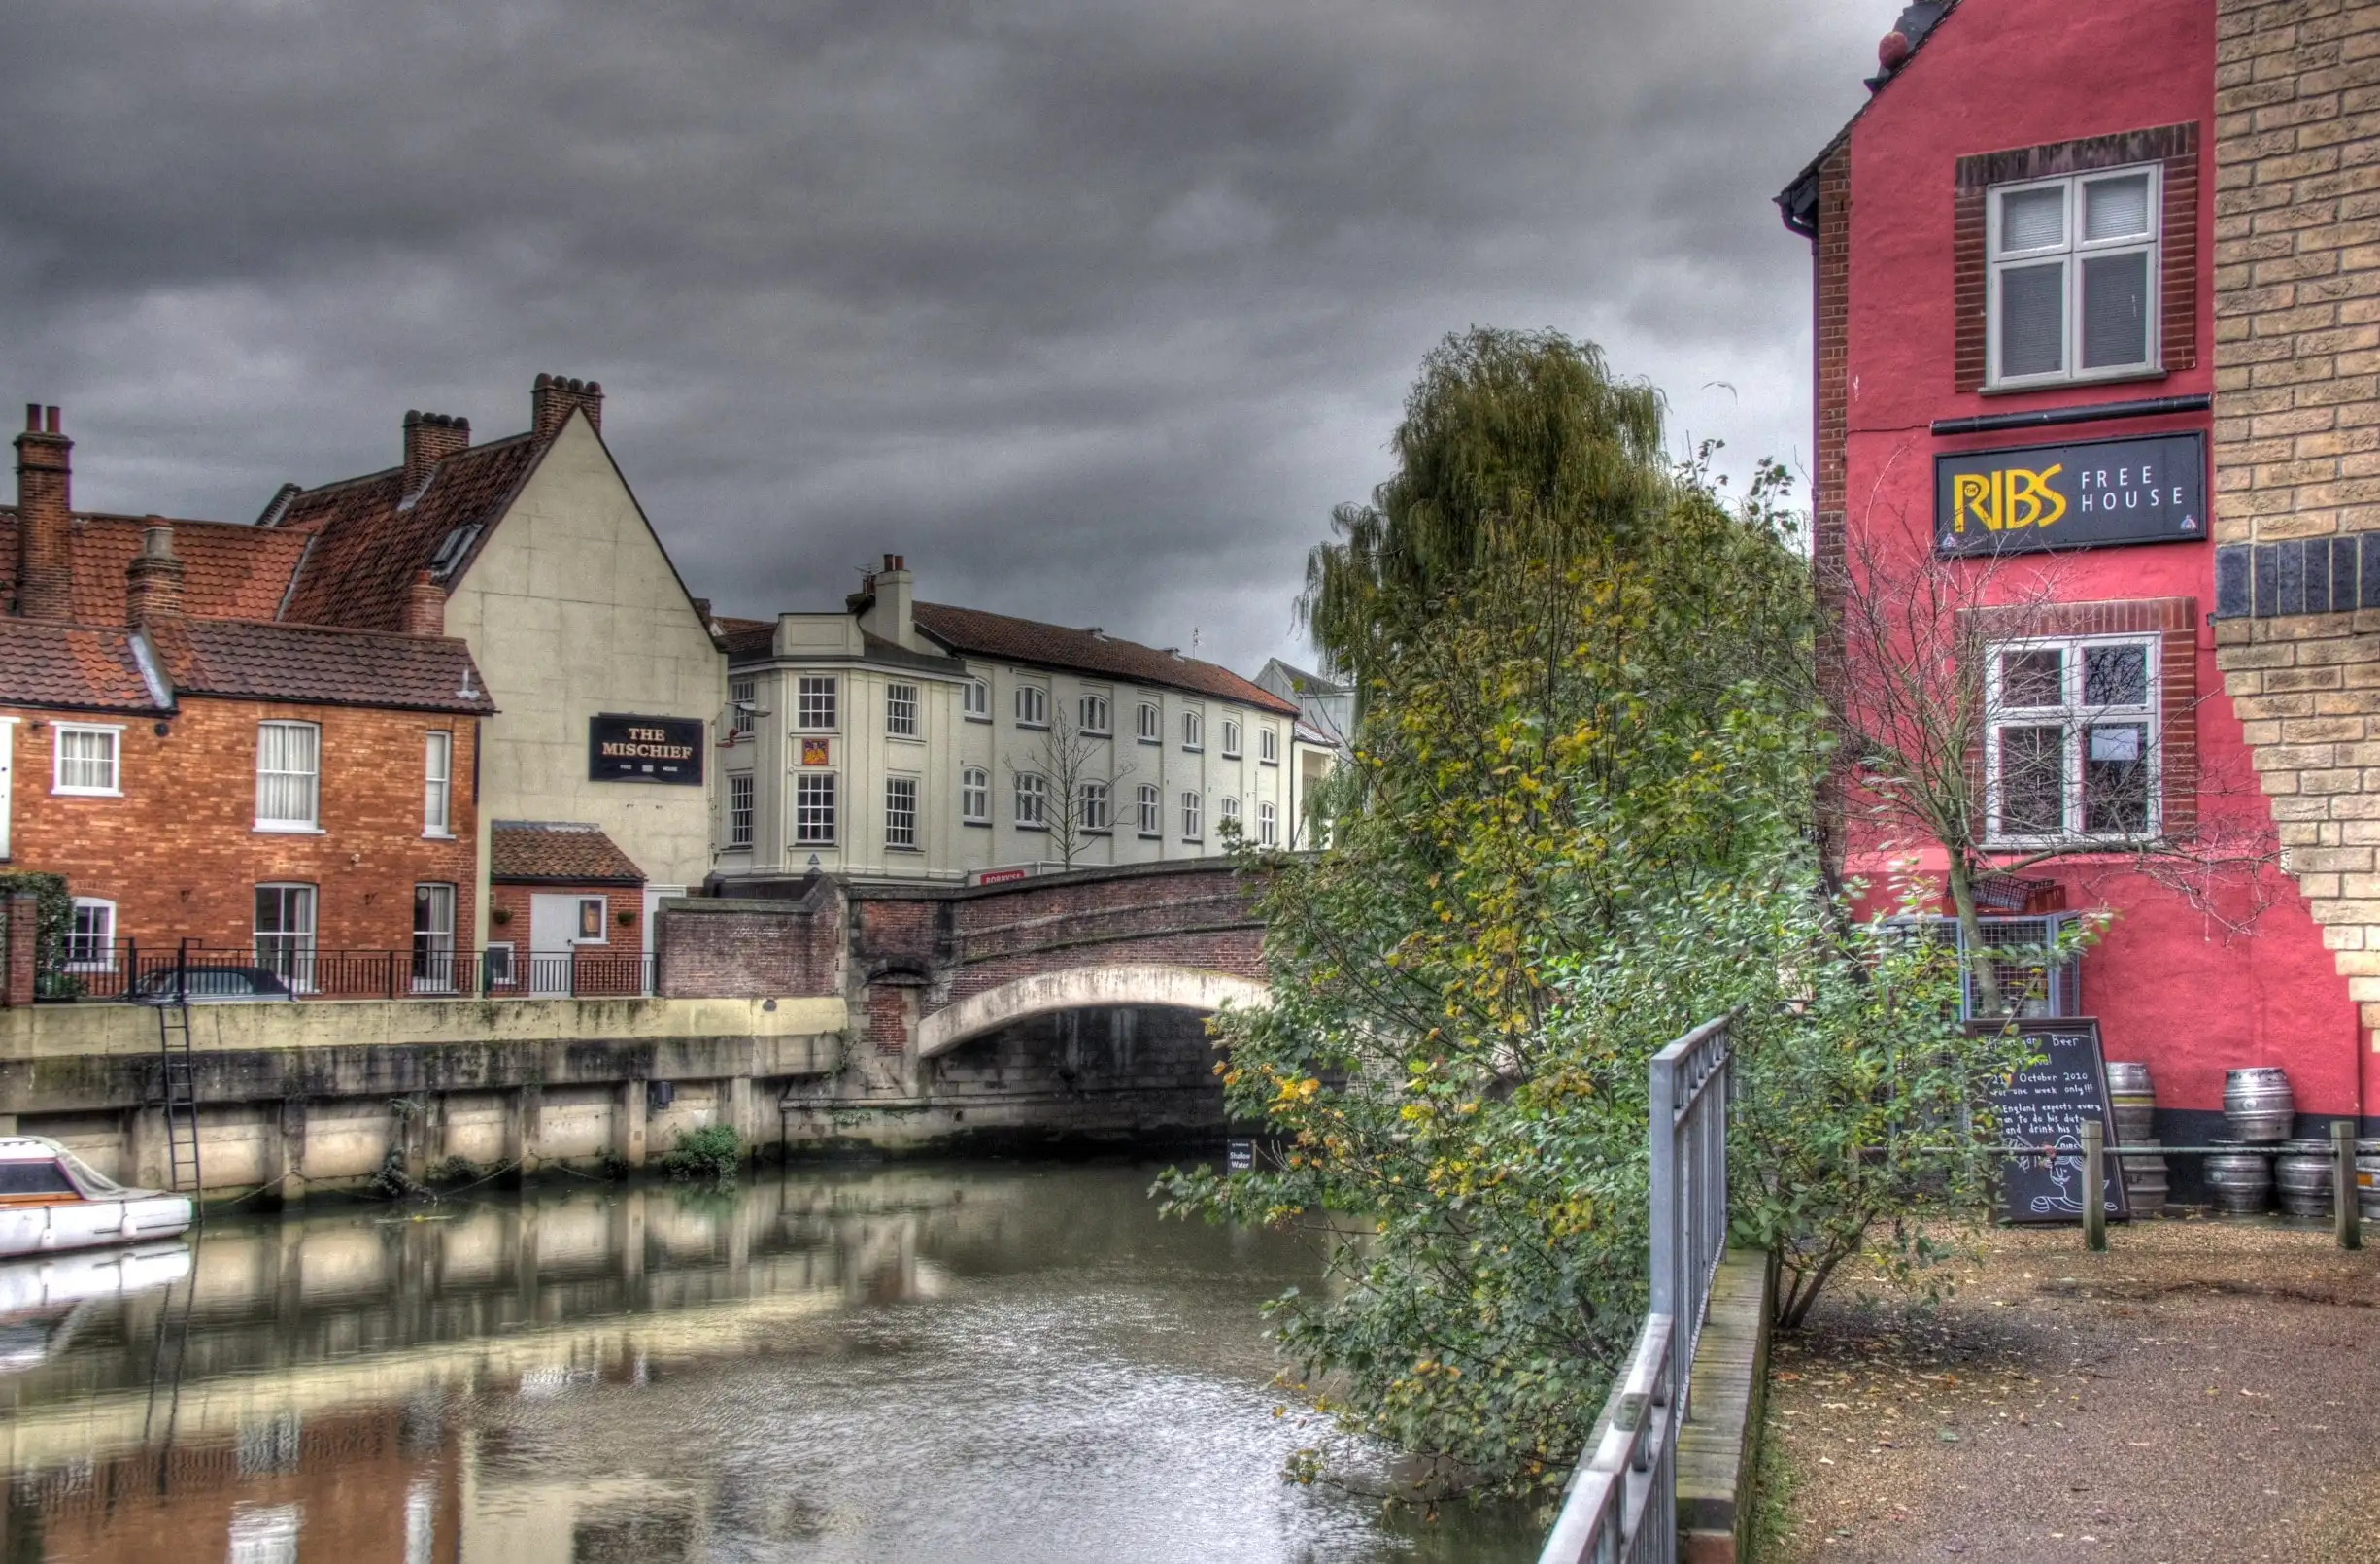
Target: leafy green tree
[1577,822]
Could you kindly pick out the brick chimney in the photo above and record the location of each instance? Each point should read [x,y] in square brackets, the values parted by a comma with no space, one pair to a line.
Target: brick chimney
[429,439]
[424,606]
[45,535]
[152,581]
[553,397]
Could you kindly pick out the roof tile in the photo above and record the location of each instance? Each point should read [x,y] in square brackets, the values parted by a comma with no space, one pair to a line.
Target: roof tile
[46,663]
[971,631]
[322,666]
[556,851]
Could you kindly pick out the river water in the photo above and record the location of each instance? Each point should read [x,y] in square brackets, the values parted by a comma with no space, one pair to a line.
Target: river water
[939,1362]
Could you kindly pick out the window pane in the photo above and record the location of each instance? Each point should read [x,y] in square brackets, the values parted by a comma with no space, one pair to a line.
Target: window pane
[739,810]
[2032,220]
[2035,678]
[2116,778]
[900,811]
[2116,675]
[2115,310]
[900,710]
[2116,208]
[2033,781]
[2034,320]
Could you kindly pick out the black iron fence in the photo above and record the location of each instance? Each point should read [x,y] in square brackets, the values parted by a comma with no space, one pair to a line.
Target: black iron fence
[269,970]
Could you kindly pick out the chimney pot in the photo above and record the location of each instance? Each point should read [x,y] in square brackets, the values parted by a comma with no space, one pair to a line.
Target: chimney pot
[44,517]
[553,397]
[425,606]
[152,581]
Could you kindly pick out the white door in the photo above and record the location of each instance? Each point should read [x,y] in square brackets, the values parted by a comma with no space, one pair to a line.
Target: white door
[552,937]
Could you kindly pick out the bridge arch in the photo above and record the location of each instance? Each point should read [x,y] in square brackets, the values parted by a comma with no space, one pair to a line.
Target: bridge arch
[1082,988]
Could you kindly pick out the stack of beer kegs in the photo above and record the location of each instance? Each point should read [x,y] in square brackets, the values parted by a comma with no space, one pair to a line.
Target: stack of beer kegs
[2132,1096]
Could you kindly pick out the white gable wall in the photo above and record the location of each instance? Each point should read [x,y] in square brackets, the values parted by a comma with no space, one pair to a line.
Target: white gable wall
[572,609]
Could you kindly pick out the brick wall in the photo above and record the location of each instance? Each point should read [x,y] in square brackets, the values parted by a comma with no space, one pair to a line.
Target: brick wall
[728,949]
[178,852]
[2297,435]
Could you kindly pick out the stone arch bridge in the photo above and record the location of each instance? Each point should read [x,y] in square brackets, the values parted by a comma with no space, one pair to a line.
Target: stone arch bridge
[1058,1005]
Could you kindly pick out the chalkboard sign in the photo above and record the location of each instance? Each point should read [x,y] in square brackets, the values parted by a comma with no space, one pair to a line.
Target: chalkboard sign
[2044,1104]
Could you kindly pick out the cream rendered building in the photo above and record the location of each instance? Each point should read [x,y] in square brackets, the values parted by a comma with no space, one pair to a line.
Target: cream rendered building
[901,740]
[553,576]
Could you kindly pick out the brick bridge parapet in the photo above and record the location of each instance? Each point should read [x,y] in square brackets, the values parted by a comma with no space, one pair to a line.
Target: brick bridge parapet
[925,968]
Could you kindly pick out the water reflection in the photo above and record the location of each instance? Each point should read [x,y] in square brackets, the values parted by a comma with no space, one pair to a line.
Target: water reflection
[946,1363]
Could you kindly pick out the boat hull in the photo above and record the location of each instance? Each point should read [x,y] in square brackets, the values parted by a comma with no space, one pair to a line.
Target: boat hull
[137,1216]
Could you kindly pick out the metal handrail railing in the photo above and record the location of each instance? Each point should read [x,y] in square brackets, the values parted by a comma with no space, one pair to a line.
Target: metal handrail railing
[1622,1504]
[117,969]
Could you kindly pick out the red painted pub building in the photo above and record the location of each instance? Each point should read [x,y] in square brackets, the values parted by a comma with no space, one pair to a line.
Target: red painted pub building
[2096,327]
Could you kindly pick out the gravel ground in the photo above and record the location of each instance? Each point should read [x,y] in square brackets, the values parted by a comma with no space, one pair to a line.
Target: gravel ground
[2209,1390]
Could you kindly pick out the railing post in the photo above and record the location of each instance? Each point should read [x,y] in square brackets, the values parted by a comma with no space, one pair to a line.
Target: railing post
[2094,1185]
[2346,1214]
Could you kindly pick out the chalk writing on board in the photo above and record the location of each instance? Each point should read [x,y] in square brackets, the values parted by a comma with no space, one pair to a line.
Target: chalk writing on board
[2045,1105]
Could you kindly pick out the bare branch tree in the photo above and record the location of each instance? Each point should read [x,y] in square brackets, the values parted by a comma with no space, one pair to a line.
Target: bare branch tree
[1078,775]
[1970,721]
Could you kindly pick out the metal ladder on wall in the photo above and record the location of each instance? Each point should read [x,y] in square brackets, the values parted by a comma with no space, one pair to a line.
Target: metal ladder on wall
[179,1092]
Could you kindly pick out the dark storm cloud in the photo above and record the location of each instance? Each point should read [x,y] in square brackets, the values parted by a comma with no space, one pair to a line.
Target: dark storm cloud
[1093,309]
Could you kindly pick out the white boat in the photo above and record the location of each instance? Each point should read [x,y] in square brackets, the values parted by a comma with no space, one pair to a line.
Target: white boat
[51,1200]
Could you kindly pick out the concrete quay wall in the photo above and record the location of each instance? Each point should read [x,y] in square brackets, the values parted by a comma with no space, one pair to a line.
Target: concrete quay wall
[322,1095]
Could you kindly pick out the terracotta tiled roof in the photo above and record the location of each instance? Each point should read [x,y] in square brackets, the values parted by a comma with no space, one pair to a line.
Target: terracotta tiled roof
[970,630]
[557,852]
[46,664]
[369,544]
[228,571]
[746,637]
[318,664]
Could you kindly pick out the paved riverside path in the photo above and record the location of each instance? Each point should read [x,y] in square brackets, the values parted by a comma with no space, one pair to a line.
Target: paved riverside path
[2208,1391]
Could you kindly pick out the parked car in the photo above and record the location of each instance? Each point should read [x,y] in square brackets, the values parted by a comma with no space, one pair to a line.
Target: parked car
[209,985]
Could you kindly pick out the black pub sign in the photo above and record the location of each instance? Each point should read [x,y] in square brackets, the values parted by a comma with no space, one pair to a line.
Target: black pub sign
[2093,493]
[644,749]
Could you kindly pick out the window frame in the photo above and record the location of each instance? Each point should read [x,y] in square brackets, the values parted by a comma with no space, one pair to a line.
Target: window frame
[2071,252]
[297,968]
[894,842]
[438,784]
[810,817]
[813,694]
[78,940]
[1267,745]
[741,819]
[1268,824]
[291,824]
[1193,731]
[975,785]
[742,708]
[893,718]
[602,921]
[114,732]
[1233,737]
[1149,725]
[1085,724]
[1149,800]
[1193,815]
[1034,786]
[2076,718]
[1095,813]
[975,702]
[428,955]
[1035,695]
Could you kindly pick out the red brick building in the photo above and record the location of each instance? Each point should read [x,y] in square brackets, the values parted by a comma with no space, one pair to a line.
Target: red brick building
[199,772]
[2060,254]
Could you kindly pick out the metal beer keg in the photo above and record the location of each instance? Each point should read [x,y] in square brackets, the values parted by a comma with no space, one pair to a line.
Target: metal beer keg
[2257,1106]
[2240,1181]
[2134,1100]
[2302,1177]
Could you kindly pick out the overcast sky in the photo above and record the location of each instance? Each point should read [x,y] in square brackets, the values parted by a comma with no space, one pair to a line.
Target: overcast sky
[1092,308]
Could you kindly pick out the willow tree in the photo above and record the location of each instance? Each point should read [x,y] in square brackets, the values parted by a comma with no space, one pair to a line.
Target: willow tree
[1577,822]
